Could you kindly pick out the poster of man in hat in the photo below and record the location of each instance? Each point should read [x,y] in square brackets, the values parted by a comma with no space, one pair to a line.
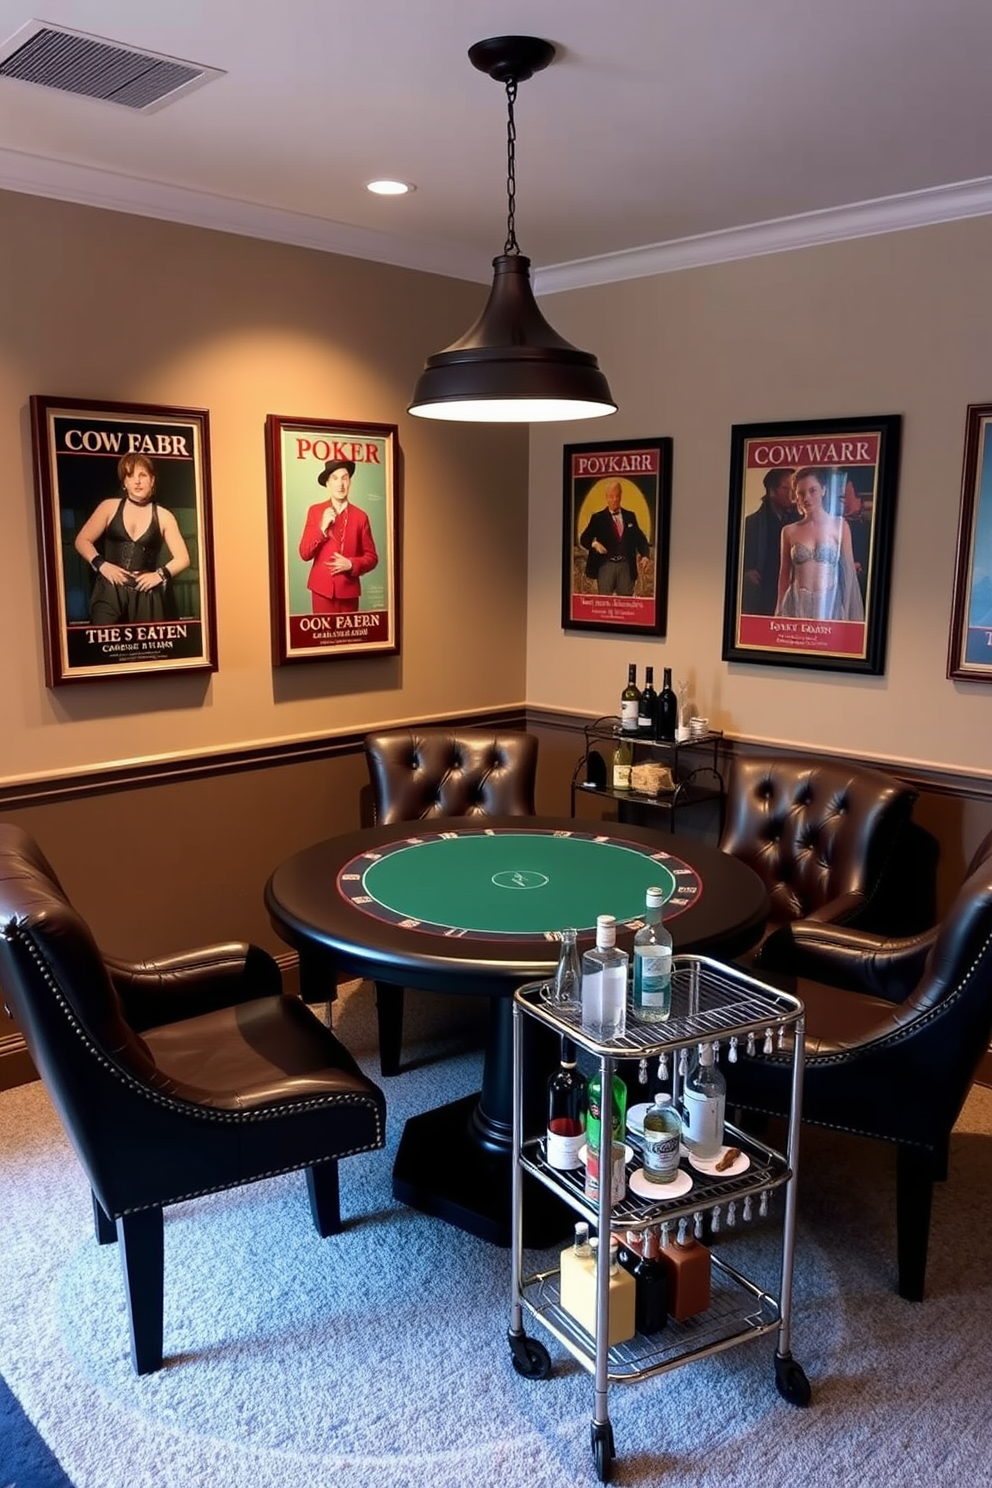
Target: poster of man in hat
[333,529]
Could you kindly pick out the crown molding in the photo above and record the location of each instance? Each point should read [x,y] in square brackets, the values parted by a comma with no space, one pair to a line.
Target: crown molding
[831,225]
[92,187]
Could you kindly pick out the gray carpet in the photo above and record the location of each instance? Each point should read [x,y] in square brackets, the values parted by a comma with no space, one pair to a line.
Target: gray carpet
[379,1357]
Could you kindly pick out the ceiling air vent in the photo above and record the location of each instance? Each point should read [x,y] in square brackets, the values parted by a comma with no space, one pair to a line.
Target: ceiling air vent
[73,62]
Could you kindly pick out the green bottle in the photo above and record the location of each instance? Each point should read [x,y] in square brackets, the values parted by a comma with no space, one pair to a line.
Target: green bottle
[594,1107]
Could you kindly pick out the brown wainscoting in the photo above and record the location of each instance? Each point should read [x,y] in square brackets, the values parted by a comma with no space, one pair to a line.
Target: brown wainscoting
[197,839]
[227,762]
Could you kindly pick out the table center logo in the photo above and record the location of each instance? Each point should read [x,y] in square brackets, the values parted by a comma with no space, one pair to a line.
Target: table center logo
[519,879]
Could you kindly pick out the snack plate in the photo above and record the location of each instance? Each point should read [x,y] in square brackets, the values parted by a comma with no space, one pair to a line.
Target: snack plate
[708,1165]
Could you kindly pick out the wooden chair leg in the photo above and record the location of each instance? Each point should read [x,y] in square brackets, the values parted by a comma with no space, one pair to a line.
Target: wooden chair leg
[325,1199]
[389,1012]
[915,1172]
[142,1242]
[106,1230]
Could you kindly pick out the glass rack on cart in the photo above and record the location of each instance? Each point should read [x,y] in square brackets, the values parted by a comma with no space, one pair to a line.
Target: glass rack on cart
[743,1018]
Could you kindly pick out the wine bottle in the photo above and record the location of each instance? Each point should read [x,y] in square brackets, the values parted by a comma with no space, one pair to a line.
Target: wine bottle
[566,1127]
[667,710]
[623,759]
[647,708]
[604,985]
[653,963]
[705,1101]
[630,702]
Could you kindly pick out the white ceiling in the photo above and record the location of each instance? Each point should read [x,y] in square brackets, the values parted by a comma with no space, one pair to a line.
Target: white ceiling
[658,122]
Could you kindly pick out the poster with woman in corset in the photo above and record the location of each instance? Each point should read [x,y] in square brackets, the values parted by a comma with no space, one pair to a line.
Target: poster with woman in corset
[124,517]
[809,542]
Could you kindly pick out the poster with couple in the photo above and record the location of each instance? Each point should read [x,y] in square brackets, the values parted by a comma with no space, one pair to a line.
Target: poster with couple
[809,548]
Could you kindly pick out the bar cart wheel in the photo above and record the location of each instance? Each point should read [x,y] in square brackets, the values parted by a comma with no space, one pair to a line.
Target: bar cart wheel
[790,1380]
[603,1450]
[529,1356]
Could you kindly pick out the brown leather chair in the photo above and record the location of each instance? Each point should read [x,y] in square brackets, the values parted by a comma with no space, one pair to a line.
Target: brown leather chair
[417,774]
[892,1047]
[820,833]
[173,1078]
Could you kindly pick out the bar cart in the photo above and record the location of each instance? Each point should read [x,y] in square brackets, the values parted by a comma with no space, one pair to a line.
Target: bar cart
[710,1003]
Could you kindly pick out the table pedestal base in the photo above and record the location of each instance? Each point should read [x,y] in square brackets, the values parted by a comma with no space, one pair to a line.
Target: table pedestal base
[443,1169]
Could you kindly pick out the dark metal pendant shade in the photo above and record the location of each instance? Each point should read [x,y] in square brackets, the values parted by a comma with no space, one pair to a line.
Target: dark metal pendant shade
[511,365]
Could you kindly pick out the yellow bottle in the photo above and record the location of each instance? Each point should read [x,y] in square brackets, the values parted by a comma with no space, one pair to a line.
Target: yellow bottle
[578,1290]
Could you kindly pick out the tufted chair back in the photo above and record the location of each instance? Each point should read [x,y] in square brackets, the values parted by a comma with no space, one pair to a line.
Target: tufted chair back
[820,833]
[427,772]
[895,1031]
[418,773]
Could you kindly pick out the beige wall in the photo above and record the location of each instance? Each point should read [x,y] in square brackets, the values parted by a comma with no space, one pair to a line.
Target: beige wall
[106,306]
[895,324]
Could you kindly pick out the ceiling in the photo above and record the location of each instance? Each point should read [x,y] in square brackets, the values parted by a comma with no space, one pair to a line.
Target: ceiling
[665,131]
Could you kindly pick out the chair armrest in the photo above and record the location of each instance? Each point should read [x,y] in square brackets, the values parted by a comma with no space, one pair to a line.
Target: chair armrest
[854,960]
[192,982]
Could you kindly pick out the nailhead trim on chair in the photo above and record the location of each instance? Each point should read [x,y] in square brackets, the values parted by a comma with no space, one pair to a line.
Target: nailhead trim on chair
[199,1193]
[13,931]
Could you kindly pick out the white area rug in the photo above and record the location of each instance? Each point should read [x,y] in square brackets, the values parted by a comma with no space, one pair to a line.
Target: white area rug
[379,1357]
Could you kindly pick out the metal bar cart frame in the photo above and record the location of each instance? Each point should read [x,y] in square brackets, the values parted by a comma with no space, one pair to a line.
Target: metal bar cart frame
[710,1003]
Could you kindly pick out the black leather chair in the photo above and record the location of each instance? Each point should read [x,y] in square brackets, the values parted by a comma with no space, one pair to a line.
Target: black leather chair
[173,1078]
[892,1046]
[417,774]
[821,834]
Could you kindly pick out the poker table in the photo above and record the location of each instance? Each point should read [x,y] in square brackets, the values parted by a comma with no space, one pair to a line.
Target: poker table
[474,906]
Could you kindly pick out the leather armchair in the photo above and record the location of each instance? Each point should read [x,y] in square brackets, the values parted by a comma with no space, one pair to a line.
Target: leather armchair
[821,834]
[417,774]
[173,1078]
[891,1052]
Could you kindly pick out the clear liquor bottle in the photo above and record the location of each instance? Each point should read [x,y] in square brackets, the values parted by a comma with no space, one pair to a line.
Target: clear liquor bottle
[604,984]
[704,1098]
[653,963]
[662,1140]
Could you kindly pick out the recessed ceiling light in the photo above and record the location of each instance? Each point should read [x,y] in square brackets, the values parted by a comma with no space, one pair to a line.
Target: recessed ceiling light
[390,188]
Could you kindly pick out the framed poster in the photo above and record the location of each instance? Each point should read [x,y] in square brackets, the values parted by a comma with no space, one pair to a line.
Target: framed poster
[970,650]
[333,520]
[809,542]
[123,492]
[617,512]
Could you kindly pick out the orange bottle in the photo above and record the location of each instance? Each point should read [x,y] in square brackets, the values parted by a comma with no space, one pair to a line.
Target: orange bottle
[688,1265]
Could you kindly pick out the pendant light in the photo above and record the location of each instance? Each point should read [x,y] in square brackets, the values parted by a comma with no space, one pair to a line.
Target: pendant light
[511,366]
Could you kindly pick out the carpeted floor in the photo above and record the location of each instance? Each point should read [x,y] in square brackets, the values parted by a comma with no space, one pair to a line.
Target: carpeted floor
[379,1357]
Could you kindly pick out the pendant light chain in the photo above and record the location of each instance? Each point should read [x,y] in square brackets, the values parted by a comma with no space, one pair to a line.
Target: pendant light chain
[511,245]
